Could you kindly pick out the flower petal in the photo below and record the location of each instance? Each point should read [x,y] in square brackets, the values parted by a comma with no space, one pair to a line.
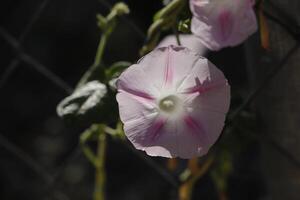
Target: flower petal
[152,72]
[182,62]
[192,140]
[132,107]
[148,133]
[135,81]
[203,31]
[166,144]
[244,30]
[167,139]
[168,74]
[208,82]
[177,139]
[223,23]
[162,69]
[139,117]
[210,125]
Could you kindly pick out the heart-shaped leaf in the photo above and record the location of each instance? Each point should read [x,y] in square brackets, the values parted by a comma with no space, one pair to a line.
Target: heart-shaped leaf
[84,99]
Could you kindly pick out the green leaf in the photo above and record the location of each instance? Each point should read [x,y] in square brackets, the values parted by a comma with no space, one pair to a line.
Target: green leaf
[83,100]
[116,69]
[184,26]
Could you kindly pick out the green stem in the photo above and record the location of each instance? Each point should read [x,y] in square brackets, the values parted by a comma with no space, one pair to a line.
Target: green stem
[100,177]
[100,49]
[173,5]
[163,20]
[98,59]
[176,35]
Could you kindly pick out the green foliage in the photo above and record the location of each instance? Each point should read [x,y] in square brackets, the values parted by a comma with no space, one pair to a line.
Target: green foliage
[83,100]
[184,26]
[107,24]
[163,20]
[116,69]
[222,169]
[91,134]
[90,101]
[93,101]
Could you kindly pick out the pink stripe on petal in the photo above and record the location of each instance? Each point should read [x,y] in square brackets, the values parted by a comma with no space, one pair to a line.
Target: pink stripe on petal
[137,93]
[204,88]
[226,24]
[168,68]
[196,127]
[156,128]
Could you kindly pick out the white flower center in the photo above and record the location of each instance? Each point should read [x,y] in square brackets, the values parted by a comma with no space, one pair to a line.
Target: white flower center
[169,104]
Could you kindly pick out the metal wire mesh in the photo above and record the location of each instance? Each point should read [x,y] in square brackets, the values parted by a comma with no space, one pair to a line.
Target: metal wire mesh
[52,179]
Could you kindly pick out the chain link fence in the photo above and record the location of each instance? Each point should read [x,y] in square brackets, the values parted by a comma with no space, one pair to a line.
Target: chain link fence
[52,166]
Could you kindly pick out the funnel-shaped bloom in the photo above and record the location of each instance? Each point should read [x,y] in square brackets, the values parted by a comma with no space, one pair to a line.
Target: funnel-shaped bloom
[222,23]
[173,103]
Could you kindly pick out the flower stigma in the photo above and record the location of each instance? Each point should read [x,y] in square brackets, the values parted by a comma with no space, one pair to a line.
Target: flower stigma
[169,104]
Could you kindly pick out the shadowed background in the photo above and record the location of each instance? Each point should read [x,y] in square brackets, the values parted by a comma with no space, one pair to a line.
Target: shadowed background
[39,153]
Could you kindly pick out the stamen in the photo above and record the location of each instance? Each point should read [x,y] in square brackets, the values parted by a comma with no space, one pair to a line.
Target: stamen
[169,103]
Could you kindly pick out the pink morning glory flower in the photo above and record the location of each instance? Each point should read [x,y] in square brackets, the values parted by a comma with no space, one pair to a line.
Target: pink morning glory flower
[173,103]
[222,23]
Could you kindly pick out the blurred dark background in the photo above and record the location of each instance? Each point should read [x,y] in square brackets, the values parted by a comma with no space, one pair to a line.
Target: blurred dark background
[63,39]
